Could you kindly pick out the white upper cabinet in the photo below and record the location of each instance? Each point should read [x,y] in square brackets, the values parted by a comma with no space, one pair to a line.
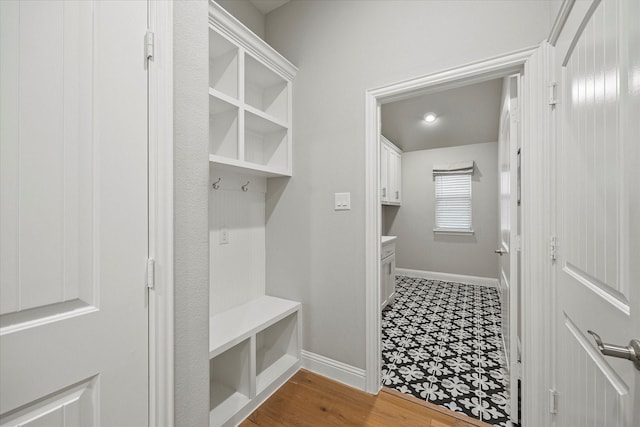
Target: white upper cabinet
[390,173]
[250,85]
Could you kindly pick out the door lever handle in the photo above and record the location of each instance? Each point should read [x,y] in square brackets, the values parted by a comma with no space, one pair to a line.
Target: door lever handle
[630,352]
[500,251]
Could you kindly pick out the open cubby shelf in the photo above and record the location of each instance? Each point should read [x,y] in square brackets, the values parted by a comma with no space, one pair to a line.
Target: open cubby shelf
[276,350]
[250,100]
[223,64]
[229,382]
[253,348]
[265,90]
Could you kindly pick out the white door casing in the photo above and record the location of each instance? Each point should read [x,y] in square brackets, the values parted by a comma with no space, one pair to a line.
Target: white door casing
[496,67]
[598,164]
[73,214]
[508,260]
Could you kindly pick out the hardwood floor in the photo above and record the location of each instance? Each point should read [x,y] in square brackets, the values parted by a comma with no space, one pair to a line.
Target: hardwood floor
[309,400]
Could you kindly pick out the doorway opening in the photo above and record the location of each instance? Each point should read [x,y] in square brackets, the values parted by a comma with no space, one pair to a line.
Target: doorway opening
[496,70]
[445,311]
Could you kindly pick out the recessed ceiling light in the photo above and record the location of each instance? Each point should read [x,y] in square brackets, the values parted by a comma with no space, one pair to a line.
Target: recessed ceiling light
[430,117]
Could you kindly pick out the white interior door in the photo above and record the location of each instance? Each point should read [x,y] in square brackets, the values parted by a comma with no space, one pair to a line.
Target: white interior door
[508,260]
[598,268]
[73,214]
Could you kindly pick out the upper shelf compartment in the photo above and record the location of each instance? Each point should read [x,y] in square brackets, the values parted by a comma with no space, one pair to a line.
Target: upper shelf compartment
[249,99]
[265,90]
[223,65]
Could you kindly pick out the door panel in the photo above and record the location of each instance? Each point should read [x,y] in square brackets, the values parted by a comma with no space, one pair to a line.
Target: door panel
[508,261]
[72,407]
[598,161]
[46,159]
[505,208]
[73,213]
[601,396]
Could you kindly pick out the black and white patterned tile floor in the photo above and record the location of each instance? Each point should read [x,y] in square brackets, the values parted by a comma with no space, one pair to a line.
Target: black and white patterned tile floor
[442,342]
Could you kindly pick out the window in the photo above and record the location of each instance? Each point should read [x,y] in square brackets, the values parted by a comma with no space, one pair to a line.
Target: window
[453,203]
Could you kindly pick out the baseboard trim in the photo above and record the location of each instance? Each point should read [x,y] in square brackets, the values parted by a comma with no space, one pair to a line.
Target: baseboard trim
[448,277]
[338,371]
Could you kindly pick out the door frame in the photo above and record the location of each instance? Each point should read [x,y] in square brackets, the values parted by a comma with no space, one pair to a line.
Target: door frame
[535,177]
[160,170]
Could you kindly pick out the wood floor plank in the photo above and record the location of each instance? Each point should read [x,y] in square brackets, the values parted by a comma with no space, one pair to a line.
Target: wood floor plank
[311,400]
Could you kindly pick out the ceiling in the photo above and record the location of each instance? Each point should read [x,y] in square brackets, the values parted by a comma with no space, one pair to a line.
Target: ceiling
[266,6]
[466,115]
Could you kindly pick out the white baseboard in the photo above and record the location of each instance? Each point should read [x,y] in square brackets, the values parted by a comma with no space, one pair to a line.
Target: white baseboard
[448,277]
[338,371]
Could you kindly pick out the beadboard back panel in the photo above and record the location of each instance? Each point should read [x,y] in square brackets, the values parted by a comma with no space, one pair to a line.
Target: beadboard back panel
[237,273]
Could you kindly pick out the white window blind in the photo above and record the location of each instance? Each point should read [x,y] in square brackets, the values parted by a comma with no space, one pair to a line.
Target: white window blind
[453,202]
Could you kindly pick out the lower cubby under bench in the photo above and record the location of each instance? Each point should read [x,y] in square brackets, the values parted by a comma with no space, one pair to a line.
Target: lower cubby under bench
[253,349]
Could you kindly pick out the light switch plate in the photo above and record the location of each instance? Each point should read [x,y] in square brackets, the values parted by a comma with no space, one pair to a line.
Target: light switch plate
[342,201]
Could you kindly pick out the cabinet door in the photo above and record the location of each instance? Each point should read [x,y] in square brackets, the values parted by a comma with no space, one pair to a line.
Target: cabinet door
[384,173]
[391,280]
[398,178]
[384,279]
[394,177]
[387,280]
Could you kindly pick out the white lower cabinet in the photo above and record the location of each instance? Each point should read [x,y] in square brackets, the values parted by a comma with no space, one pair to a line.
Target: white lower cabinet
[254,349]
[388,274]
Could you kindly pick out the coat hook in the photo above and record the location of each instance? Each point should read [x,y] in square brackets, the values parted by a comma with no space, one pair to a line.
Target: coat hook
[245,187]
[216,184]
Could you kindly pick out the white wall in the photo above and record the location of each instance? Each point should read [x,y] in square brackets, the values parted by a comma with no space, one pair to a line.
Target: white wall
[418,247]
[191,177]
[343,48]
[246,13]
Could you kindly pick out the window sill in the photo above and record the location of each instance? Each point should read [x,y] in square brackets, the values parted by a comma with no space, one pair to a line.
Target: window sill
[458,231]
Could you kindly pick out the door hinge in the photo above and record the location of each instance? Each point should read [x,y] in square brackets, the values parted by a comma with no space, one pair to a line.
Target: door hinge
[553,248]
[553,93]
[151,273]
[553,401]
[149,44]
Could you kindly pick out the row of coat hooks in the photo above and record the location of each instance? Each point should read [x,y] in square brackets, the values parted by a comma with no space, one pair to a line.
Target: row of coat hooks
[216,185]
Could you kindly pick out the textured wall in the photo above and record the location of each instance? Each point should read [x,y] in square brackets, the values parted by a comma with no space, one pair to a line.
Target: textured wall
[191,248]
[343,48]
[418,247]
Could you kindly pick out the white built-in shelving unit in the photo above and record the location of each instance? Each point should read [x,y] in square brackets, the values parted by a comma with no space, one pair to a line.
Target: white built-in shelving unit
[253,347]
[254,339]
[250,88]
